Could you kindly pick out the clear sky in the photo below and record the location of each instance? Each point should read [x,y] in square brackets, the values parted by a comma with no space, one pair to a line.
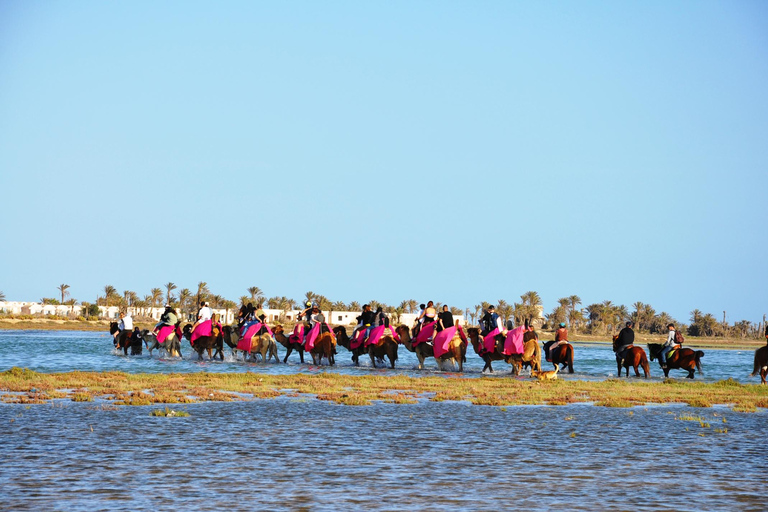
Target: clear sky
[457,151]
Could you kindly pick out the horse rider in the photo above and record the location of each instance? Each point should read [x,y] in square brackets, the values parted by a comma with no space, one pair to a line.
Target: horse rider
[626,340]
[561,336]
[167,318]
[125,324]
[668,346]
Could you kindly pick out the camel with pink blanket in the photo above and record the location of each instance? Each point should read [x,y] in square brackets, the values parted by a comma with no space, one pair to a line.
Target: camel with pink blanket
[448,345]
[255,342]
[495,346]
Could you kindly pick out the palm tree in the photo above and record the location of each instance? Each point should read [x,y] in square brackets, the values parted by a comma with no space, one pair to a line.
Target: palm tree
[413,304]
[169,287]
[109,293]
[157,295]
[229,304]
[130,297]
[63,289]
[202,290]
[354,306]
[256,293]
[184,295]
[573,302]
[504,310]
[308,297]
[2,296]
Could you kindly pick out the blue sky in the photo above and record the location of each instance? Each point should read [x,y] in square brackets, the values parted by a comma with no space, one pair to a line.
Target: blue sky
[452,151]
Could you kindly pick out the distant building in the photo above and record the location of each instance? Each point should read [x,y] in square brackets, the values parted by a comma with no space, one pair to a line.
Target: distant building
[228,317]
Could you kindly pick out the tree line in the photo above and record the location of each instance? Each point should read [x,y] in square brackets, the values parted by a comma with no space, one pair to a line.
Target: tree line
[599,318]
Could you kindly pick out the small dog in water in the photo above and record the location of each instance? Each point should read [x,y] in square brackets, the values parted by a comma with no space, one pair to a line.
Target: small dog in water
[550,375]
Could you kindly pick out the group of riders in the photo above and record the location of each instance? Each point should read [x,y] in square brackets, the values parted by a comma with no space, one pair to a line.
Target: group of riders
[491,324]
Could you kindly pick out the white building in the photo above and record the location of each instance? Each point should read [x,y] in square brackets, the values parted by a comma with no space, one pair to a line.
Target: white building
[228,317]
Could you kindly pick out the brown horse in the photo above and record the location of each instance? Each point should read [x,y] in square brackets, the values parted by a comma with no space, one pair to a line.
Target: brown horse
[206,343]
[635,357]
[457,350]
[682,358]
[531,353]
[325,347]
[563,354]
[123,340]
[761,363]
[288,344]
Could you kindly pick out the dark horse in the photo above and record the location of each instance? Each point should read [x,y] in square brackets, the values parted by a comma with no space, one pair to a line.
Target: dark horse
[761,363]
[124,340]
[563,354]
[683,358]
[635,356]
[206,343]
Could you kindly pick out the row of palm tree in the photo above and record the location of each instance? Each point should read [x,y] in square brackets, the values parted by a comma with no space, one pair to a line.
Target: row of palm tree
[598,318]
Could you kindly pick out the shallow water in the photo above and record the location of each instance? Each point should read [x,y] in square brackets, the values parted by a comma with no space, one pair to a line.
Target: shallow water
[304,454]
[297,454]
[59,351]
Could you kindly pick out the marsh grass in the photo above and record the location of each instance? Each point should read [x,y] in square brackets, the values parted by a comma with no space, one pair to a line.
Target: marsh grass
[169,413]
[29,387]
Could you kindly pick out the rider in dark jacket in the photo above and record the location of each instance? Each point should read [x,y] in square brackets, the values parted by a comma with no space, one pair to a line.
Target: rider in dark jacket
[626,339]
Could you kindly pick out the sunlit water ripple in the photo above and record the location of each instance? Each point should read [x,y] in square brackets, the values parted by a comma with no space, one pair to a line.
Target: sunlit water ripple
[293,453]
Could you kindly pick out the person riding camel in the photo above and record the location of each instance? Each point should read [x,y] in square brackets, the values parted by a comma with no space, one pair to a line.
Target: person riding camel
[530,333]
[444,319]
[490,322]
[561,336]
[626,340]
[168,317]
[245,315]
[419,320]
[366,319]
[204,314]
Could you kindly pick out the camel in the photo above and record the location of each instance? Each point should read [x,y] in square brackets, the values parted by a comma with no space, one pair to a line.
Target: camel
[325,346]
[531,353]
[289,345]
[171,345]
[206,343]
[457,351]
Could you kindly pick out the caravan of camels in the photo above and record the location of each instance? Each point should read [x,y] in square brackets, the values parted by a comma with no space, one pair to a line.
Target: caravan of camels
[434,335]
